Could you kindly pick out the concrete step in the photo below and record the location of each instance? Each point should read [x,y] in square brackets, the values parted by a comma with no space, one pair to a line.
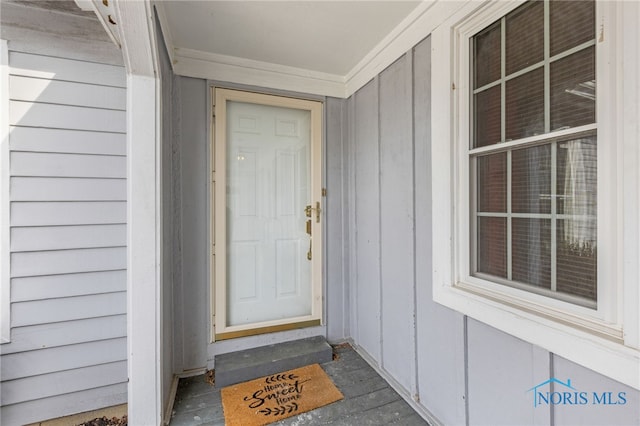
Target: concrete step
[237,367]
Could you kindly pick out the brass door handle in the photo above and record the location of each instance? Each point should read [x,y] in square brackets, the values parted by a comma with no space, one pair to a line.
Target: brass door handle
[317,209]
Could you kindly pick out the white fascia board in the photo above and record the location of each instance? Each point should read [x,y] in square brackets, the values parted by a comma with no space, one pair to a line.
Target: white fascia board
[198,64]
[134,20]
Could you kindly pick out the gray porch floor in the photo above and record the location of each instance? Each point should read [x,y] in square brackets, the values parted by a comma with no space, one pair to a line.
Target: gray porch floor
[368,399]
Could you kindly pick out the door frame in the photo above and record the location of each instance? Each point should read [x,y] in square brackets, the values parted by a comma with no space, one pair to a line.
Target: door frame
[217,238]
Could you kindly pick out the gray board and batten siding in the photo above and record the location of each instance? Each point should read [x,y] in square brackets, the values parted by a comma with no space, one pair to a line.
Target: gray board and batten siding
[458,369]
[378,272]
[67,143]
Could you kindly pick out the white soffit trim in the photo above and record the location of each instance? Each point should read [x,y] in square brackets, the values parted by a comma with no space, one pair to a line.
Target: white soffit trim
[414,28]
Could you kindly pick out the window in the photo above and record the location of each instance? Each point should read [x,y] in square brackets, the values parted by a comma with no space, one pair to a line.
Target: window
[535,175]
[534,198]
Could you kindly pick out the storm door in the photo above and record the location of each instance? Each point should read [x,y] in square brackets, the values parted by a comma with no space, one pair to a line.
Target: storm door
[266,233]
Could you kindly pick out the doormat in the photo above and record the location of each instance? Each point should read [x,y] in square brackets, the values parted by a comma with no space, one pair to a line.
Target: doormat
[269,399]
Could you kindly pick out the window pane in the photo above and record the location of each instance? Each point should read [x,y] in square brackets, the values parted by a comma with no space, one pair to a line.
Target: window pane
[492,183]
[531,251]
[577,271]
[524,36]
[492,246]
[525,105]
[577,228]
[486,50]
[577,177]
[531,180]
[487,120]
[571,24]
[573,95]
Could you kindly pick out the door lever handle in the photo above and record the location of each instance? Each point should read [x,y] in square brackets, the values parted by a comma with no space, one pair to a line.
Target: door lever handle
[317,209]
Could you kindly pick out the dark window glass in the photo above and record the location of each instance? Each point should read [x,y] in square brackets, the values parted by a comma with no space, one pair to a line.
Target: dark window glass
[571,24]
[531,180]
[531,251]
[525,105]
[492,246]
[576,257]
[492,183]
[573,94]
[486,49]
[524,36]
[577,176]
[487,122]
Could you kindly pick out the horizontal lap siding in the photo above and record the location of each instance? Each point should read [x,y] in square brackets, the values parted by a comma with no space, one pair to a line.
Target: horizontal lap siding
[68,238]
[67,333]
[67,189]
[33,139]
[62,404]
[48,213]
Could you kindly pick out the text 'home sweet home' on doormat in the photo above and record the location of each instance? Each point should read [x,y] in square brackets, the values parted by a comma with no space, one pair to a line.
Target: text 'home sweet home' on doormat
[269,399]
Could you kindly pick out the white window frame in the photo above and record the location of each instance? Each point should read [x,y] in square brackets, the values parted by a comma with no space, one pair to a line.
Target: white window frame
[5,256]
[604,339]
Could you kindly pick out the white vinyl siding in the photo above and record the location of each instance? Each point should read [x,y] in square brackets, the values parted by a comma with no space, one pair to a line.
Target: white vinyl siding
[67,244]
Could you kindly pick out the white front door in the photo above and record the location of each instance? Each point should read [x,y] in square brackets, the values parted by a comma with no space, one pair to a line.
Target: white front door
[266,244]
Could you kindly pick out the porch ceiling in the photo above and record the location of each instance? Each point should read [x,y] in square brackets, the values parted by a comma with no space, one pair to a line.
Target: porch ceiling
[325,41]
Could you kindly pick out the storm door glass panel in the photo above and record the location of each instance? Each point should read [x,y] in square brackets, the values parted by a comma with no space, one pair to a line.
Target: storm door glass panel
[268,187]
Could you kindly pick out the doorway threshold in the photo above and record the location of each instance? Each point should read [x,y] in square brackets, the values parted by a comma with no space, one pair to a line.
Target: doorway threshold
[237,367]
